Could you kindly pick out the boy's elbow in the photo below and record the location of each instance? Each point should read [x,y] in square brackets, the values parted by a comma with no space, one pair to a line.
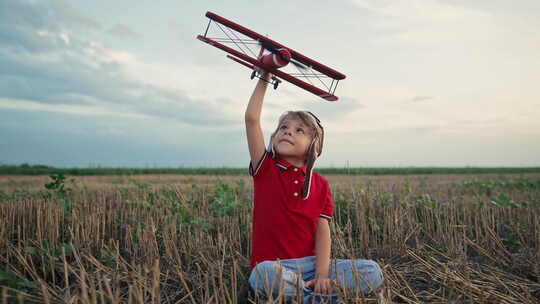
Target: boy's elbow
[251,119]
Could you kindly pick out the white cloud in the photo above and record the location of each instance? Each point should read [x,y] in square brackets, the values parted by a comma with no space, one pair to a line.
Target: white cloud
[68,68]
[93,110]
[437,24]
[123,31]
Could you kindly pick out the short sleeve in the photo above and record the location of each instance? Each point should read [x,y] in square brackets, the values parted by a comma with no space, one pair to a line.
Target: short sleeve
[260,165]
[328,207]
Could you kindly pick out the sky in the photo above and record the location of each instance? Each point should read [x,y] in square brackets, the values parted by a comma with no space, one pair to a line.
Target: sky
[126,83]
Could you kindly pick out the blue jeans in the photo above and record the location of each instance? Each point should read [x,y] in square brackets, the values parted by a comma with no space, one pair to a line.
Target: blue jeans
[287,278]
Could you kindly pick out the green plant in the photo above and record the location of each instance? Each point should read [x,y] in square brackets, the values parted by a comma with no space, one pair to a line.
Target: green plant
[3,195]
[407,187]
[59,189]
[427,210]
[224,200]
[10,279]
[138,184]
[503,200]
[511,241]
[49,251]
[108,257]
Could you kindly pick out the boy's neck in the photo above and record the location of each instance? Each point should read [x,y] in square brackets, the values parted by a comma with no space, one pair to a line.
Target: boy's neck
[298,162]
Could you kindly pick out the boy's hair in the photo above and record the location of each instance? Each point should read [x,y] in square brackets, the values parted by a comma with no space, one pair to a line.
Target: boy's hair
[315,147]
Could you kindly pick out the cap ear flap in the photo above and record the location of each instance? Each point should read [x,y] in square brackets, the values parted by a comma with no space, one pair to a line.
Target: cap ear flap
[306,187]
[320,141]
[270,147]
[316,146]
[310,163]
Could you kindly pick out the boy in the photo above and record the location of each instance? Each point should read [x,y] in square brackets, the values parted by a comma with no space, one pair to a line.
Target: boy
[292,206]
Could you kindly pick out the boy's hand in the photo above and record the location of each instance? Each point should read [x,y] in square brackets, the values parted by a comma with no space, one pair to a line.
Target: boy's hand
[264,74]
[321,285]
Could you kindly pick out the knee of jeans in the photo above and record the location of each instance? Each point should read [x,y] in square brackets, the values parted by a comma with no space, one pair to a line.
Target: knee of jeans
[373,272]
[262,273]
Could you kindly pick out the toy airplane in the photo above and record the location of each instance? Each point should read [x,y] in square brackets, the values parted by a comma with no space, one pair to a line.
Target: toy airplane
[273,57]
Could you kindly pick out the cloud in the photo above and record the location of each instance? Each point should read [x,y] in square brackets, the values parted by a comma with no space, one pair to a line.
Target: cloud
[69,14]
[332,111]
[462,27]
[20,24]
[76,140]
[80,110]
[123,31]
[420,98]
[431,24]
[42,62]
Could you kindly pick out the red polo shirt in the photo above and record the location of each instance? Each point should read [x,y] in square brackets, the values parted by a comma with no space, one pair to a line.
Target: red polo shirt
[284,225]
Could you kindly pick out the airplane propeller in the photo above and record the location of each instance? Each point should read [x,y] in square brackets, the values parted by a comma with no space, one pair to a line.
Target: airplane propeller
[271,48]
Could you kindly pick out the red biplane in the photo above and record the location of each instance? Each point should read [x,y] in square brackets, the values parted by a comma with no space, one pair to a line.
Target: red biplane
[272,57]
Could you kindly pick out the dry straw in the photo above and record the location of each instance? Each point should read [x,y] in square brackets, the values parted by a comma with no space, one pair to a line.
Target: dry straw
[439,239]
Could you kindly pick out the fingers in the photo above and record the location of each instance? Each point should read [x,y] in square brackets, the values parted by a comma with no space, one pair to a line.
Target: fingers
[264,74]
[323,286]
[319,288]
[326,287]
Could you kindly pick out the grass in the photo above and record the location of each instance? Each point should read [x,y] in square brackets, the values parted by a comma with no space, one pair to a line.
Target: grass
[186,239]
[26,169]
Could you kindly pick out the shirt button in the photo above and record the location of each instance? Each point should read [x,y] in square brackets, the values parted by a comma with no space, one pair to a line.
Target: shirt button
[295,194]
[296,182]
[295,169]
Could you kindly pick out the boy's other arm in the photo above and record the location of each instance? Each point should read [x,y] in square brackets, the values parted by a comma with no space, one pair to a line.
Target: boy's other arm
[253,121]
[323,244]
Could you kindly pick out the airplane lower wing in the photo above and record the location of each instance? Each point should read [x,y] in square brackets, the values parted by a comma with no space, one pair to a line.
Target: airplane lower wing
[327,95]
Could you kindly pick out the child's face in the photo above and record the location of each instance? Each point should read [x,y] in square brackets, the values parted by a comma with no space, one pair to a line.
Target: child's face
[292,138]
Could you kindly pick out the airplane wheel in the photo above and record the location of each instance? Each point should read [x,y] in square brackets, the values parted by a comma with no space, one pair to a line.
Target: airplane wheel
[276,84]
[253,74]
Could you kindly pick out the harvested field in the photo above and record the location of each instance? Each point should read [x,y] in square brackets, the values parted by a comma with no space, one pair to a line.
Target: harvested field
[186,239]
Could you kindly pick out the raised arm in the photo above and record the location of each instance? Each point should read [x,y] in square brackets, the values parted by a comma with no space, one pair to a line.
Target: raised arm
[253,121]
